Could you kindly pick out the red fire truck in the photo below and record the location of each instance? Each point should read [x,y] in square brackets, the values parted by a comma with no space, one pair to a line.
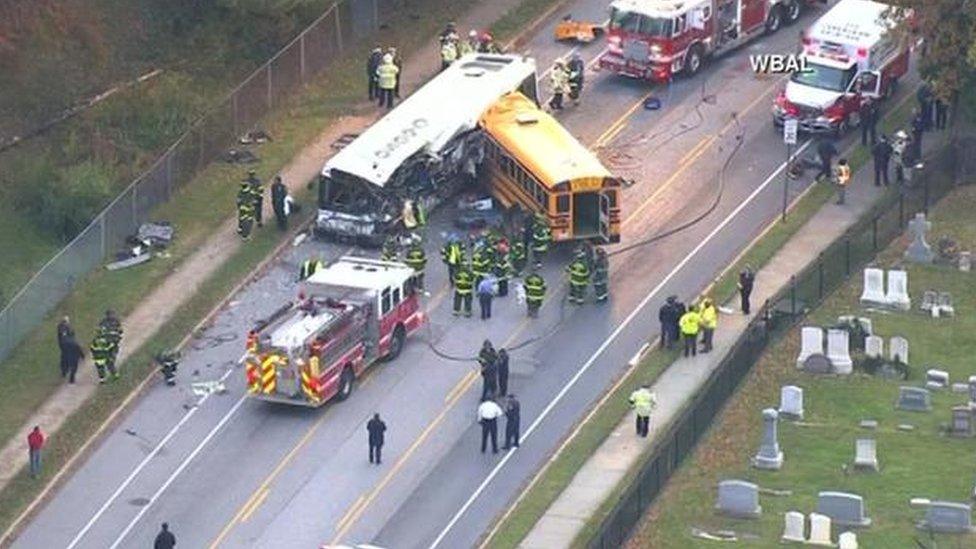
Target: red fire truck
[353,313]
[850,54]
[654,39]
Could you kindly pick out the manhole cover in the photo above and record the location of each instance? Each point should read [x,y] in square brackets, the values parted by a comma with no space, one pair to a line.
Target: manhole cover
[139,502]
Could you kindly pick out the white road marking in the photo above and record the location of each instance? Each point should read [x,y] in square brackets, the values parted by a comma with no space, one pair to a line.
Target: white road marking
[616,333]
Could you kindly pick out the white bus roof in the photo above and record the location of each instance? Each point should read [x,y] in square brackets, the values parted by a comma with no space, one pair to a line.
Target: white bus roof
[655,8]
[447,105]
[362,273]
[858,23]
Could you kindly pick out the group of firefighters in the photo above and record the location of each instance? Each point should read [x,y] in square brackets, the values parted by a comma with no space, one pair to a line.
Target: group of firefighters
[453,47]
[250,203]
[105,346]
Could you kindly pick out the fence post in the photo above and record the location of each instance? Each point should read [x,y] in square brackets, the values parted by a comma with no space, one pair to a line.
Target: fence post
[793,294]
[301,57]
[847,257]
[338,29]
[820,276]
[874,234]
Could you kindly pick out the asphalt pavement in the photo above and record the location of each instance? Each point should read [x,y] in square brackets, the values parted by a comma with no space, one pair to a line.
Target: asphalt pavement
[226,470]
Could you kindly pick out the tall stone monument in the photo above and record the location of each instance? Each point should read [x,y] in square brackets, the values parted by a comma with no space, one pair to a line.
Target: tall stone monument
[769,456]
[919,250]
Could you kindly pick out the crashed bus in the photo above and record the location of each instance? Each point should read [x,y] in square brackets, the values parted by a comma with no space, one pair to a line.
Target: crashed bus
[421,151]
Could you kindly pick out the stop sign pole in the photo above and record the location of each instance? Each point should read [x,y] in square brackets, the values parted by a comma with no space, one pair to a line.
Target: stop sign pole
[790,127]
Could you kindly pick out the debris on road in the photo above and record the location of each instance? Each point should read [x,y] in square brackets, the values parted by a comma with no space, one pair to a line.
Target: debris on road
[580,31]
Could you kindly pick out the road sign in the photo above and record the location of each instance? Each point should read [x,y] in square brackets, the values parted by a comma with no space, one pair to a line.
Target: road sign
[790,126]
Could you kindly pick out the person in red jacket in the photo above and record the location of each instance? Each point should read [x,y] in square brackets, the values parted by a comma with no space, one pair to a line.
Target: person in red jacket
[35,441]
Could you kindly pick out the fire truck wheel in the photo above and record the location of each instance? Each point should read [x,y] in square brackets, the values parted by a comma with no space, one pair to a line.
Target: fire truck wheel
[793,9]
[693,61]
[774,20]
[345,383]
[396,344]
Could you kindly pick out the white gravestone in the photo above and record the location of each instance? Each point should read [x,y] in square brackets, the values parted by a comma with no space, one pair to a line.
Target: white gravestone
[874,347]
[847,540]
[897,295]
[945,304]
[936,379]
[965,261]
[919,250]
[791,402]
[819,529]
[873,294]
[838,351]
[929,300]
[769,456]
[811,343]
[898,350]
[794,526]
[972,391]
[866,453]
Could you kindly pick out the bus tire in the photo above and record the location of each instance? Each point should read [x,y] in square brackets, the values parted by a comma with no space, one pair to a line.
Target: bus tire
[792,9]
[396,342]
[346,381]
[693,60]
[774,20]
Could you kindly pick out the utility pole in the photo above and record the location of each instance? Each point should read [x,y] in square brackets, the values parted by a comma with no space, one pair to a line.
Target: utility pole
[790,127]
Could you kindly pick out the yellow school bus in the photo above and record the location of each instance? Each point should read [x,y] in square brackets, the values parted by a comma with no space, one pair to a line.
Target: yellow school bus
[533,163]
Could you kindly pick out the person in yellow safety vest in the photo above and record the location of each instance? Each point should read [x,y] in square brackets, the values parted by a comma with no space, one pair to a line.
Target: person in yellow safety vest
[541,236]
[480,265]
[463,288]
[309,267]
[579,279]
[452,256]
[468,46]
[842,175]
[535,292]
[643,402]
[245,211]
[559,77]
[690,323]
[389,251]
[417,260]
[386,76]
[409,218]
[709,321]
[449,53]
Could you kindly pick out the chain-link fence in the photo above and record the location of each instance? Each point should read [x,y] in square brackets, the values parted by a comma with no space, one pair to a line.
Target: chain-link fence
[341,26]
[858,246]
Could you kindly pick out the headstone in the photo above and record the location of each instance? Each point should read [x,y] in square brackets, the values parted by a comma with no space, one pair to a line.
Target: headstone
[945,304]
[819,529]
[946,517]
[738,498]
[838,351]
[965,261]
[866,453]
[811,343]
[769,456]
[897,295]
[938,378]
[972,391]
[907,427]
[961,388]
[873,294]
[898,350]
[919,250]
[929,300]
[793,527]
[922,503]
[914,399]
[962,422]
[868,424]
[847,540]
[874,347]
[817,364]
[843,508]
[791,402]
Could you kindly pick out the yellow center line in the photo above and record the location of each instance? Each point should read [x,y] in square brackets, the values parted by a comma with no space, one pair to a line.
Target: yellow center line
[356,505]
[693,154]
[618,123]
[256,503]
[460,385]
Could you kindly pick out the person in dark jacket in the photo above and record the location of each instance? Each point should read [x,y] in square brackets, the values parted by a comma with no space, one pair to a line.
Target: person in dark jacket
[65,331]
[373,63]
[165,539]
[502,370]
[375,427]
[71,355]
[869,121]
[278,195]
[665,316]
[881,151]
[489,378]
[941,114]
[826,151]
[746,280]
[512,419]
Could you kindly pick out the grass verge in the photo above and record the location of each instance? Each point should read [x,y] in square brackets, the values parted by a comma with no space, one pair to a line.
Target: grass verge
[559,472]
[911,463]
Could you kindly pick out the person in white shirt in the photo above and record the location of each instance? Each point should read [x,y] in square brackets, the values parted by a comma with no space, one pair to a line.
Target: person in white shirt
[488,413]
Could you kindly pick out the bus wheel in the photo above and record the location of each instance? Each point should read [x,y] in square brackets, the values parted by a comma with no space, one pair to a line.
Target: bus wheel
[396,343]
[345,383]
[793,10]
[693,60]
[774,20]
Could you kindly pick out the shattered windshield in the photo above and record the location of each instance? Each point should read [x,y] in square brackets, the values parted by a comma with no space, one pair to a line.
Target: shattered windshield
[824,77]
[346,194]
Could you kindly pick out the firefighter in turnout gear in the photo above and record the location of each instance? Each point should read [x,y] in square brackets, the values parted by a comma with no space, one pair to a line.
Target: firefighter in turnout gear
[517,257]
[417,260]
[535,292]
[453,256]
[480,265]
[256,189]
[309,267]
[390,252]
[463,289]
[601,275]
[501,269]
[111,329]
[245,211]
[541,237]
[101,351]
[579,279]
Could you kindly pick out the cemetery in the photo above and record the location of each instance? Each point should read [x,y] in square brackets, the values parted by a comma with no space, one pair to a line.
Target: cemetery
[854,429]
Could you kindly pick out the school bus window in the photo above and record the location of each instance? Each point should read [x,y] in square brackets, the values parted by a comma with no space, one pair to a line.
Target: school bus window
[562,203]
[612,195]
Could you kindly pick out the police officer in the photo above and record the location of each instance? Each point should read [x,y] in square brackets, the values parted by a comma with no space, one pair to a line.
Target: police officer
[386,75]
[488,413]
[643,402]
[690,324]
[417,260]
[709,321]
[517,257]
[453,257]
[881,151]
[826,151]
[279,193]
[389,251]
[576,69]
[541,237]
[513,418]
[579,279]
[535,292]
[449,34]
[398,63]
[746,281]
[601,275]
[373,63]
[869,121]
[256,188]
[480,264]
[245,211]
[463,289]
[309,267]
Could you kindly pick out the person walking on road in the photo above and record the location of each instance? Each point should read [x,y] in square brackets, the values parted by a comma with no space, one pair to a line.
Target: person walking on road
[71,355]
[826,151]
[279,195]
[690,326]
[881,152]
[502,368]
[35,443]
[643,401]
[486,292]
[386,75]
[869,121]
[746,280]
[843,179]
[164,539]
[375,427]
[463,288]
[513,413]
[488,413]
[709,321]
